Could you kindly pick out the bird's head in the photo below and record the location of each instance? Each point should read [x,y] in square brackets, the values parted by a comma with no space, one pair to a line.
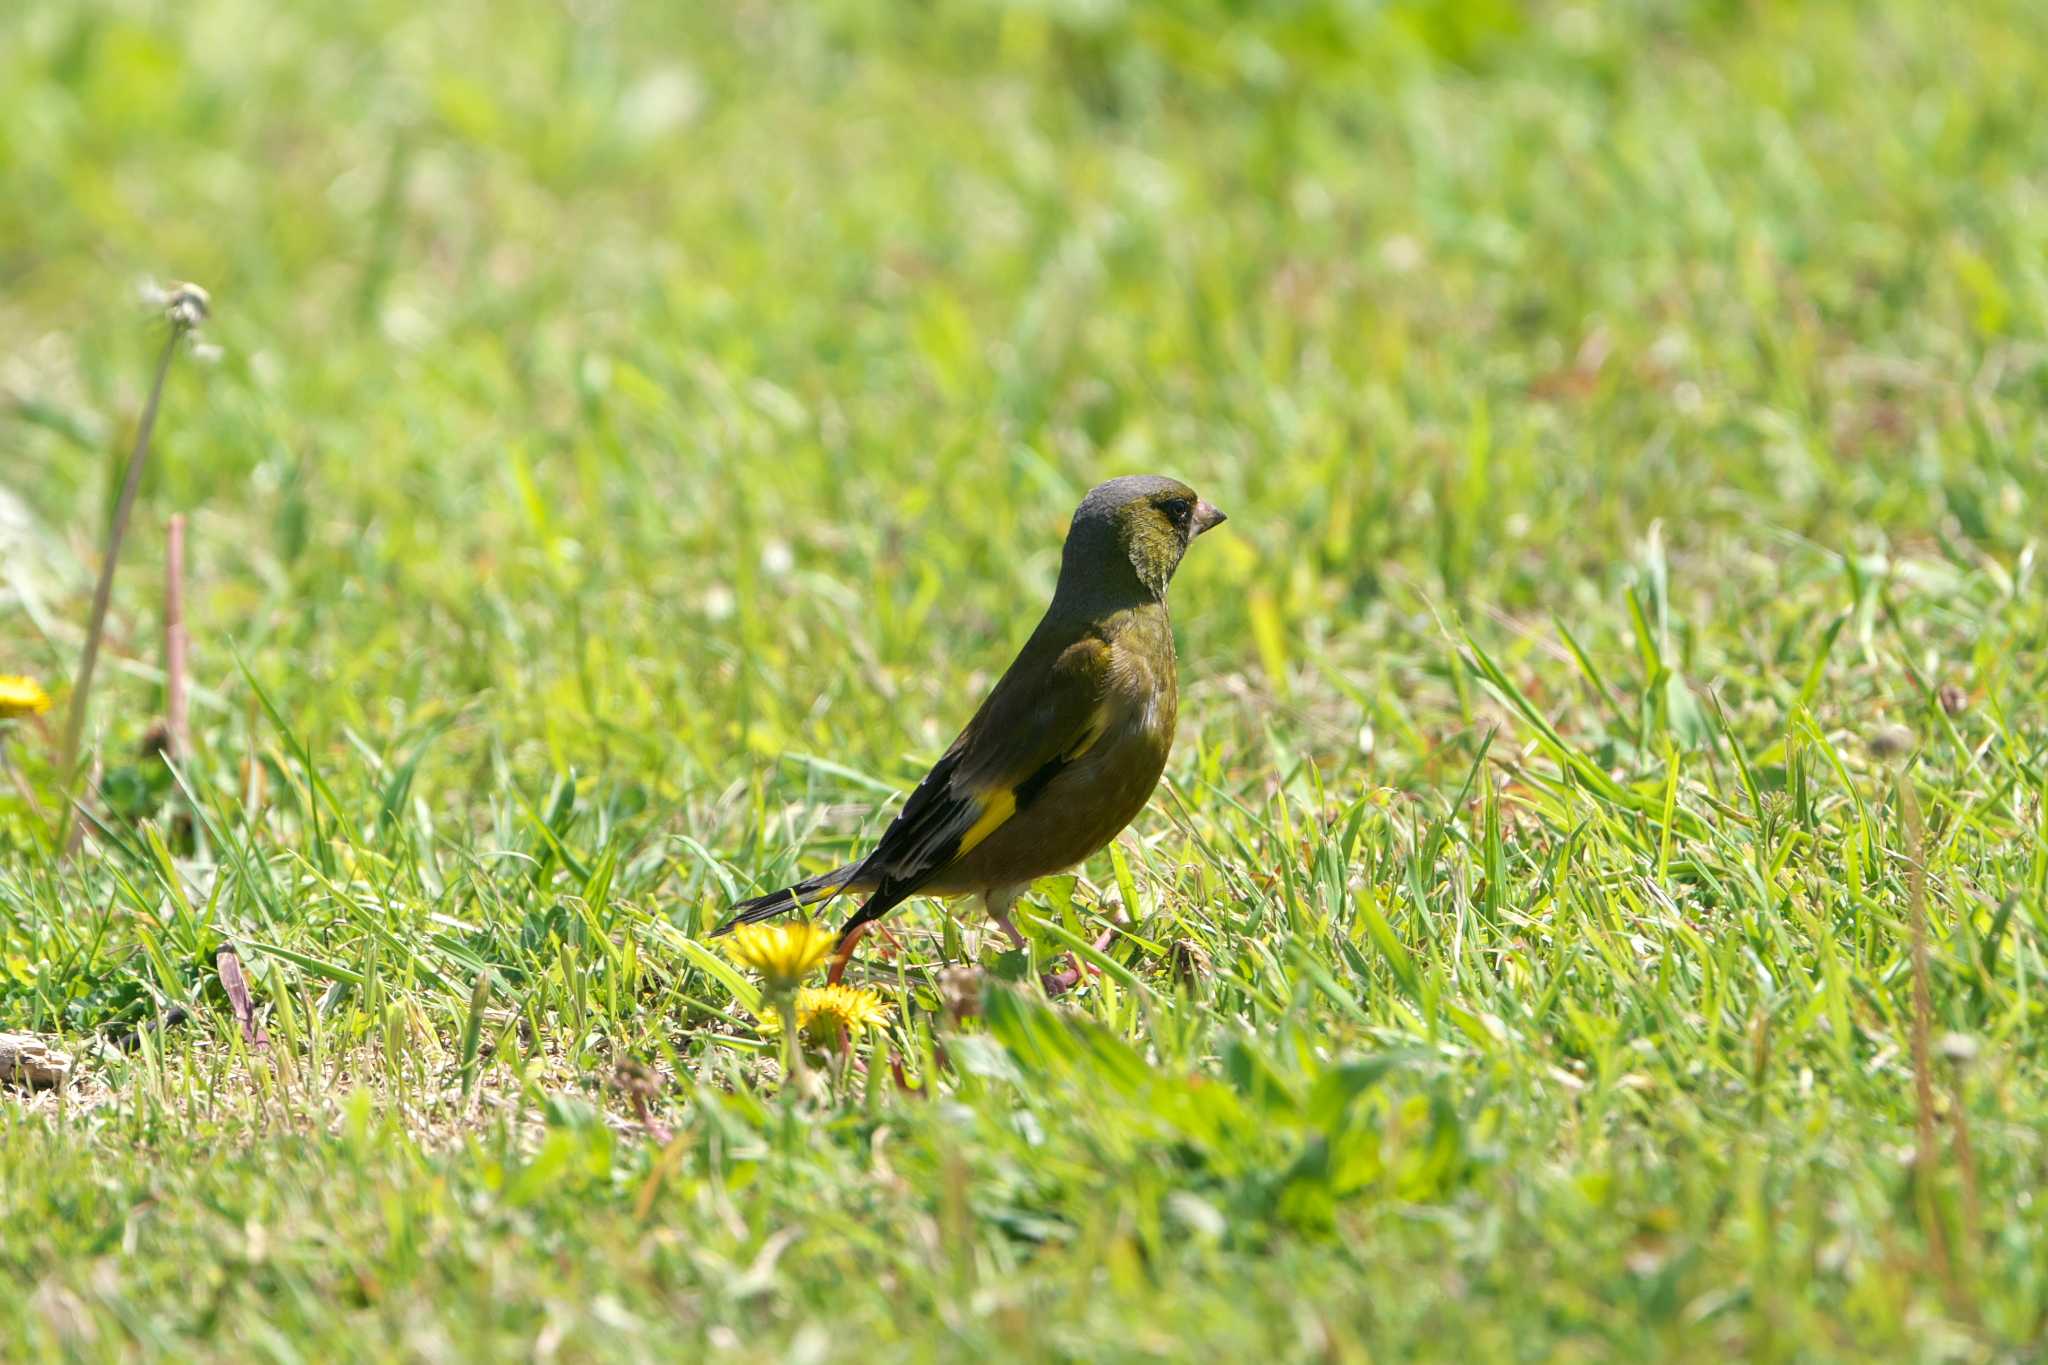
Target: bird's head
[1131,532]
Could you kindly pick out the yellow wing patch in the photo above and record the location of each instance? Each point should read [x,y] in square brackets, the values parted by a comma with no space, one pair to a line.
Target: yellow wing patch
[998,807]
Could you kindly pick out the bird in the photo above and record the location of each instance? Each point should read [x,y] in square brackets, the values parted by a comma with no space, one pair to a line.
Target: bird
[1066,748]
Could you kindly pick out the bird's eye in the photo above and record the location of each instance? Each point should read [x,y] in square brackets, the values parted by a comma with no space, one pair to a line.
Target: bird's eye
[1177,510]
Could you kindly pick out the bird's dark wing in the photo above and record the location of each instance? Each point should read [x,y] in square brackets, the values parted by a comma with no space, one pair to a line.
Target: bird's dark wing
[1045,713]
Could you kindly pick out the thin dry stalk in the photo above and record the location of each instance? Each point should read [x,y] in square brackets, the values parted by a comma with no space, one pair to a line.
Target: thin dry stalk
[1926,1153]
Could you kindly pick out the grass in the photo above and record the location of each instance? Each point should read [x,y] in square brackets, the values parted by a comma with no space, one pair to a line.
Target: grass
[637,438]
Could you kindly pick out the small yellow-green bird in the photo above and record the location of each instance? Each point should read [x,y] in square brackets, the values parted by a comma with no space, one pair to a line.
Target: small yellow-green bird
[1068,747]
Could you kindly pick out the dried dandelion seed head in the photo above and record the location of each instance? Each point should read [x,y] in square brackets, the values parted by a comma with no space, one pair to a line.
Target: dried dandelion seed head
[21,696]
[783,954]
[187,305]
[184,305]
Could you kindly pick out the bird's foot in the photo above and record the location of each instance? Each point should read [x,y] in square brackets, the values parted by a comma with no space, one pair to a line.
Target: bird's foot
[1060,982]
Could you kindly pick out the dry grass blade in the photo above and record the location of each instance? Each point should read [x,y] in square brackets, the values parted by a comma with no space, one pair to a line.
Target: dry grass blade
[1926,1151]
[228,964]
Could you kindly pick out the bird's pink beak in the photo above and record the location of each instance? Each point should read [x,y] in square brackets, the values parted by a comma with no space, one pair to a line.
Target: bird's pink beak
[1207,516]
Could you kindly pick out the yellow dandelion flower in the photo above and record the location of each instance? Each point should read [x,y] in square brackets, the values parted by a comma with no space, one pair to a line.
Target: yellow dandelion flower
[784,954]
[21,696]
[824,1013]
[857,1008]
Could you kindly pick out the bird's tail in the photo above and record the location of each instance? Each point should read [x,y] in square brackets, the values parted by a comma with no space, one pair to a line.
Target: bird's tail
[809,891]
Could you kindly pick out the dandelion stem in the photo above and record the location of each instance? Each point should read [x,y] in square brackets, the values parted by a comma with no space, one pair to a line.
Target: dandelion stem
[794,1072]
[81,686]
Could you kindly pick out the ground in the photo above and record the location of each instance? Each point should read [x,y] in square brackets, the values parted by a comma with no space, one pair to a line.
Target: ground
[628,440]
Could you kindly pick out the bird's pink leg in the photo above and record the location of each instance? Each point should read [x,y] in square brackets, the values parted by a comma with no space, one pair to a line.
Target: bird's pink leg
[998,900]
[844,955]
[1009,928]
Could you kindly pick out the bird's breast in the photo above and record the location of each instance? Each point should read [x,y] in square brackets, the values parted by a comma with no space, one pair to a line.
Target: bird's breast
[1143,694]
